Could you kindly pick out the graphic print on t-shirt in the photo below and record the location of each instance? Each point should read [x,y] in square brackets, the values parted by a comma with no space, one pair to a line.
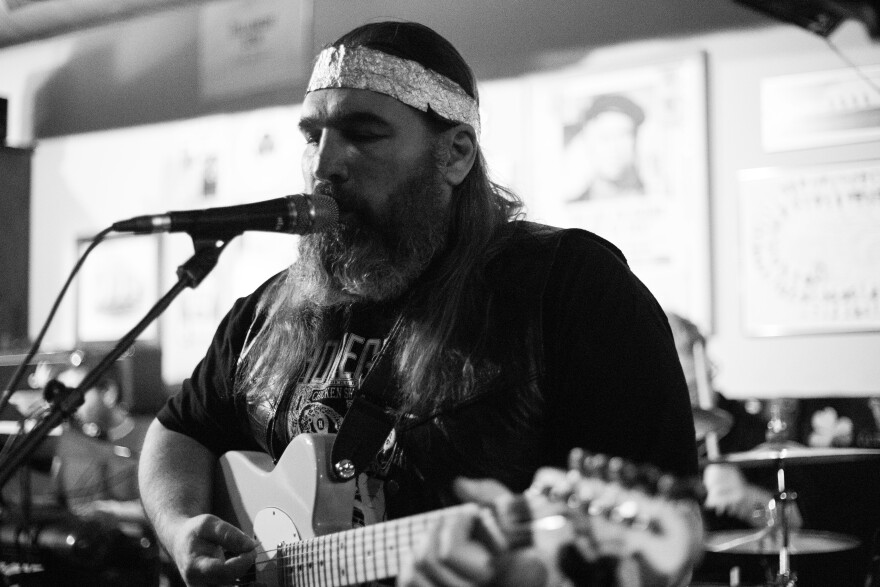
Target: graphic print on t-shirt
[323,395]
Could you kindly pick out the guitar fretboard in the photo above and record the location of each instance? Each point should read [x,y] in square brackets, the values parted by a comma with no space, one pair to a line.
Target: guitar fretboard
[354,556]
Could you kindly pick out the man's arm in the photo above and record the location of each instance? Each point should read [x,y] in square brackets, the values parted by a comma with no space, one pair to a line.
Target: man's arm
[175,478]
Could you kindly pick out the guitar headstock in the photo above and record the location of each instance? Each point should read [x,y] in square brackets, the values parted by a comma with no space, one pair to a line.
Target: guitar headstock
[624,524]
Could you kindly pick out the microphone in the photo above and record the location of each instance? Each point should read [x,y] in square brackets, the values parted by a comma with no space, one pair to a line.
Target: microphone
[295,214]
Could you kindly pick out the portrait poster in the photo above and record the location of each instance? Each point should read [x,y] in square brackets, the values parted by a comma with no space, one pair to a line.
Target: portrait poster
[623,153]
[117,285]
[821,108]
[810,249]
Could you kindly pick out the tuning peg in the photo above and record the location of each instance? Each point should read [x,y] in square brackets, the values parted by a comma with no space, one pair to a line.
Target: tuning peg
[576,458]
[614,469]
[595,465]
[624,472]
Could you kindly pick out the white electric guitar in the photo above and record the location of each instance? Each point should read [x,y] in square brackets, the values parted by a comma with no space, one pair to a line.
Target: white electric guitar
[301,518]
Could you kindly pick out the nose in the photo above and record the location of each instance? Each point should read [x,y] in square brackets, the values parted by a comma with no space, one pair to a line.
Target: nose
[328,160]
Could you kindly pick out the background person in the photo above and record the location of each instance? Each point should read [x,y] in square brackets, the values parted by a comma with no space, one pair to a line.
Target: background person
[728,492]
[95,467]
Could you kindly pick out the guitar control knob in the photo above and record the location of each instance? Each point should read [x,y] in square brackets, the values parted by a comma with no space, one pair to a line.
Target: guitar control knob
[344,469]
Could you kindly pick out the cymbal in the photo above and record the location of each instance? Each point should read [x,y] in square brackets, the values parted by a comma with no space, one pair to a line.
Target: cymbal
[796,454]
[764,542]
[712,420]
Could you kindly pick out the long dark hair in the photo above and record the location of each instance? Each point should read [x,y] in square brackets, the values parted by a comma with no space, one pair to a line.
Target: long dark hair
[437,351]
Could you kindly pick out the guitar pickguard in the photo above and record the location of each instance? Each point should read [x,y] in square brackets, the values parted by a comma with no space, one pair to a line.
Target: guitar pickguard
[272,529]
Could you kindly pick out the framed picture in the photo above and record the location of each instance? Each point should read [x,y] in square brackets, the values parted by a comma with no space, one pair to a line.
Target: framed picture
[819,109]
[810,249]
[245,45]
[117,285]
[623,154]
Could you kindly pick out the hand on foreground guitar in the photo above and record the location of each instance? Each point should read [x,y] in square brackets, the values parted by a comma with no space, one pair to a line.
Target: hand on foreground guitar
[603,522]
[210,551]
[619,526]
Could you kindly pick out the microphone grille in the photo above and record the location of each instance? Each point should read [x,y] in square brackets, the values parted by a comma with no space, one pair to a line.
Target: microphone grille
[326,212]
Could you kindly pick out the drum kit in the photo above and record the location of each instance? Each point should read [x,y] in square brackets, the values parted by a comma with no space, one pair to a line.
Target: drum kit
[778,538]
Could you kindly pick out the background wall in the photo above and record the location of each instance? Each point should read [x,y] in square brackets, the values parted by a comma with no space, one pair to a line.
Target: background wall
[131,76]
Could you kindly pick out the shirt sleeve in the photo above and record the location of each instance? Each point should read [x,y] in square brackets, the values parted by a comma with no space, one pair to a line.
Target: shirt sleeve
[615,385]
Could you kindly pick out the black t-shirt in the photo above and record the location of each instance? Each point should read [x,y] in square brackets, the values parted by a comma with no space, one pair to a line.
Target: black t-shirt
[612,381]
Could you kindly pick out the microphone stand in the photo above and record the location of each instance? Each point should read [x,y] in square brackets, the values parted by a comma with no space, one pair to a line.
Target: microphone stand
[64,401]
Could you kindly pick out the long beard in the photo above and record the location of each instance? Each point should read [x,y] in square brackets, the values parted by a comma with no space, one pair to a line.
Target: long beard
[377,260]
[365,260]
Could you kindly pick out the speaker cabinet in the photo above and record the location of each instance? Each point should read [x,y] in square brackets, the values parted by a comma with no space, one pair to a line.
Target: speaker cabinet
[15,182]
[138,372]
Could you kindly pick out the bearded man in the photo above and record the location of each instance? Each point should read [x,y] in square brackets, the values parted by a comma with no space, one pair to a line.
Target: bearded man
[431,329]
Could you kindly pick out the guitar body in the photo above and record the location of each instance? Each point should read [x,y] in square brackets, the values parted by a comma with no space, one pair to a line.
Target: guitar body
[297,499]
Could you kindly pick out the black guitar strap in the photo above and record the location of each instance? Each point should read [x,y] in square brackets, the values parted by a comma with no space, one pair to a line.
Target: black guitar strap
[368,421]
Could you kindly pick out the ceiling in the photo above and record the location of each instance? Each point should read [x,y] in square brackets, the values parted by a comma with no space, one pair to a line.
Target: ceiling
[153,59]
[29,20]
[22,21]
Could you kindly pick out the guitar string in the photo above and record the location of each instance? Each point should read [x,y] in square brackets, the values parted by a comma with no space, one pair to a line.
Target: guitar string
[300,553]
[358,538]
[358,542]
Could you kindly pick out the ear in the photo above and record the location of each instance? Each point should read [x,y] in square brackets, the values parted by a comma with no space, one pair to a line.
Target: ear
[460,144]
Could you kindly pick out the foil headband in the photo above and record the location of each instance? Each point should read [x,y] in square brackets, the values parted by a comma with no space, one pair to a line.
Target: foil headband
[409,82]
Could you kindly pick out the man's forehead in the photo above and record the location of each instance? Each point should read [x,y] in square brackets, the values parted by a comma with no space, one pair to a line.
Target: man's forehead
[335,102]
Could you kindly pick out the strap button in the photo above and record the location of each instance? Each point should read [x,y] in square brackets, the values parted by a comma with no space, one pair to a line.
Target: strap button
[344,469]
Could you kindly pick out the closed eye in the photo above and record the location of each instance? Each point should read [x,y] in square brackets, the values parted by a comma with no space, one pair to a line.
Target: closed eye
[362,135]
[359,127]
[312,137]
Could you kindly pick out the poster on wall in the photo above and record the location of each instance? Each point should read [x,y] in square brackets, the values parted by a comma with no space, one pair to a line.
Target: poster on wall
[821,108]
[223,161]
[623,154]
[117,285]
[103,177]
[810,249]
[247,45]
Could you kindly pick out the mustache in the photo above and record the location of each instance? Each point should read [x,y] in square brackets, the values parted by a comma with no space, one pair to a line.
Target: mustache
[354,211]
[346,200]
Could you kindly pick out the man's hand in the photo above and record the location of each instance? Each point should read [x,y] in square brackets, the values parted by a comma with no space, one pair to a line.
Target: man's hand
[209,551]
[175,473]
[452,556]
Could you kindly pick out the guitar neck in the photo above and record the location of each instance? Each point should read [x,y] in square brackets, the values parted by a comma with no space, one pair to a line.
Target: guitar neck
[354,556]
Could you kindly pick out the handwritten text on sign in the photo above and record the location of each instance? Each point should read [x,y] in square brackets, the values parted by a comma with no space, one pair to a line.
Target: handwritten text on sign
[811,249]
